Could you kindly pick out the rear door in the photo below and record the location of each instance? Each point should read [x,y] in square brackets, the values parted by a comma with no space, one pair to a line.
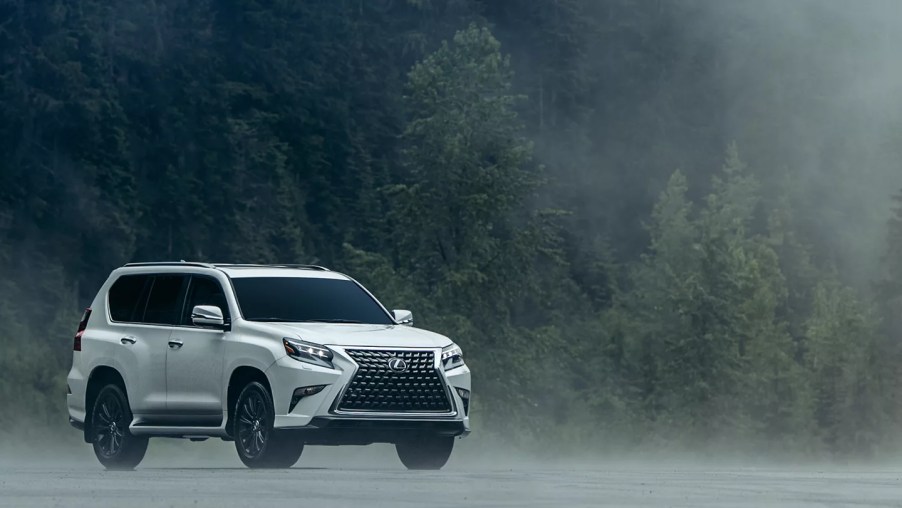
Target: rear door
[143,307]
[194,361]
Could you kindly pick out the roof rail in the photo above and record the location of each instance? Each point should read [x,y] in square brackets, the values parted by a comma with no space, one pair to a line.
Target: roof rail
[228,265]
[276,265]
[307,267]
[172,263]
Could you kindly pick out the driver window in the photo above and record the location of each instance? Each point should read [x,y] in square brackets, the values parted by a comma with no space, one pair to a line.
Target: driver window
[205,291]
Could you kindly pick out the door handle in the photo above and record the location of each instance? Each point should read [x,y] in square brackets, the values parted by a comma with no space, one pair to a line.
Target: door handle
[175,344]
[128,340]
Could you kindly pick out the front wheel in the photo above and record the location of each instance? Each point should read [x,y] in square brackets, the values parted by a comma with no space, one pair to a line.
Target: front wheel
[258,444]
[430,453]
[114,446]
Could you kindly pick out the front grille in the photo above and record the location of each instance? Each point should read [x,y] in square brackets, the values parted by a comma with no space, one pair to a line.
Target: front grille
[376,387]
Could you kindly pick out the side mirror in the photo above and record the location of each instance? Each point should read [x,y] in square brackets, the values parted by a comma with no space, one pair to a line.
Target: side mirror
[207,315]
[403,317]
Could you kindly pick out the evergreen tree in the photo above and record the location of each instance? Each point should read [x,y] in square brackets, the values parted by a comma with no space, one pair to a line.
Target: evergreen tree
[704,306]
[467,168]
[843,370]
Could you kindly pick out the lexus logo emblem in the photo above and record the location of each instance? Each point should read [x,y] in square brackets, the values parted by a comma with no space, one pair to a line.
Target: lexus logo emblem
[397,364]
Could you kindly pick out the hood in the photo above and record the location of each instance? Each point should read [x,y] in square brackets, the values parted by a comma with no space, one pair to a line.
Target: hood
[335,334]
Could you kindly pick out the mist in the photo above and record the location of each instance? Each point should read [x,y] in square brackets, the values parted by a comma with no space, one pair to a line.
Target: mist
[820,88]
[563,213]
[808,90]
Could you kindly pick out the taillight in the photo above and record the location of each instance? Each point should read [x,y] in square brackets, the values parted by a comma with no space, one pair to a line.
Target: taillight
[76,346]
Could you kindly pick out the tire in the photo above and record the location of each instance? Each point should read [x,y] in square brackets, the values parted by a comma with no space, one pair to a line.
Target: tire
[114,445]
[425,453]
[258,444]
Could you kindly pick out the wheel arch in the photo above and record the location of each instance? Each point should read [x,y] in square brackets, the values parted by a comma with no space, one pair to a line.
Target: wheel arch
[101,375]
[238,379]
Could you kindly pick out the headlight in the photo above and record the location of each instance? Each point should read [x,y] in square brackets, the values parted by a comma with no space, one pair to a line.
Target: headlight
[308,352]
[452,357]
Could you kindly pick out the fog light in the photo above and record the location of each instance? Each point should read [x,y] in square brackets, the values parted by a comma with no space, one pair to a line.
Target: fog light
[465,397]
[300,393]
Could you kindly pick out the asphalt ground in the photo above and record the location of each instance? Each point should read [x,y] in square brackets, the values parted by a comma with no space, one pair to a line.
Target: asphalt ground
[373,477]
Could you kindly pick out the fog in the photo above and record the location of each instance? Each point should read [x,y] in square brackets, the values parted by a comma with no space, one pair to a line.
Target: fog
[283,134]
[820,86]
[809,91]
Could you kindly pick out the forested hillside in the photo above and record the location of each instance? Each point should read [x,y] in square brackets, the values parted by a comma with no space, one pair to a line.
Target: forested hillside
[650,224]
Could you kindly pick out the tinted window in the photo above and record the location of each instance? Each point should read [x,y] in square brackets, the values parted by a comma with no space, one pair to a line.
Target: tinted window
[296,299]
[164,304]
[205,291]
[125,296]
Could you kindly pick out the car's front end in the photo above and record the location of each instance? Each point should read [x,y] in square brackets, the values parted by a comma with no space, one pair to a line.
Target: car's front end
[344,370]
[357,394]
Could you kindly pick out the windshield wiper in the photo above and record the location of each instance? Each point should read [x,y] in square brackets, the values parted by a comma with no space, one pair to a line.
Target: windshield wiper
[332,321]
[273,320]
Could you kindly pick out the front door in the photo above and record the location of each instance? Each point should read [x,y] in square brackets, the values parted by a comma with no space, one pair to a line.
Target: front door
[194,360]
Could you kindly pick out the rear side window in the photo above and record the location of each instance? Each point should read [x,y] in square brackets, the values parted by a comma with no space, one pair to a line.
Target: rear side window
[164,306]
[126,296]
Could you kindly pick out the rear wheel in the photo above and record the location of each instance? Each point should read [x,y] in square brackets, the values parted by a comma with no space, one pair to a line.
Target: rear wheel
[114,446]
[427,452]
[258,444]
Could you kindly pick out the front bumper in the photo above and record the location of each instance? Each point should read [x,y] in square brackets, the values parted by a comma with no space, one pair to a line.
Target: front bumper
[316,415]
[328,430]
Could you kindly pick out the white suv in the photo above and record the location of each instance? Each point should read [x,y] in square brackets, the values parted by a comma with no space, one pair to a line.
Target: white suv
[271,356]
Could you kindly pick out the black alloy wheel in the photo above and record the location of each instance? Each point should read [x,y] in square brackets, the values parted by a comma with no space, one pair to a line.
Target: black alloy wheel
[259,445]
[252,423]
[425,452]
[114,446]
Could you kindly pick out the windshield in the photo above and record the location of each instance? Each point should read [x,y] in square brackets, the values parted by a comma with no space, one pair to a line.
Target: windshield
[299,299]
